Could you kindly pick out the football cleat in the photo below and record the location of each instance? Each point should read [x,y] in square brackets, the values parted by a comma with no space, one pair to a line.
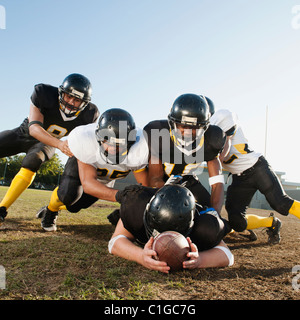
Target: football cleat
[48,218]
[273,232]
[252,236]
[249,234]
[3,214]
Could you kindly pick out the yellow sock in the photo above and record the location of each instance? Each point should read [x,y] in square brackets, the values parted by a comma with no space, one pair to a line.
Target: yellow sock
[55,203]
[254,222]
[295,209]
[20,183]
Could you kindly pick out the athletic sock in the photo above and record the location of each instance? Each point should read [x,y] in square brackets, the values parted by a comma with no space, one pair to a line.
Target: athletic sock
[20,183]
[295,209]
[254,221]
[55,204]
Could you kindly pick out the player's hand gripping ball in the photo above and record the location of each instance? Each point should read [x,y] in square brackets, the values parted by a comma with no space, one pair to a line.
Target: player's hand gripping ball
[171,247]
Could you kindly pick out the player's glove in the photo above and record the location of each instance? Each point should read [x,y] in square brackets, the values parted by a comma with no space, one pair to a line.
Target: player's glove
[185,181]
[174,179]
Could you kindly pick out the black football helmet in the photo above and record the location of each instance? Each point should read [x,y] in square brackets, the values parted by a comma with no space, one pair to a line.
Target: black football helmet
[172,208]
[77,86]
[116,128]
[192,112]
[211,106]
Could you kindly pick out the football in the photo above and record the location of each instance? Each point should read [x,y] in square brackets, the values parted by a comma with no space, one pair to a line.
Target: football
[171,247]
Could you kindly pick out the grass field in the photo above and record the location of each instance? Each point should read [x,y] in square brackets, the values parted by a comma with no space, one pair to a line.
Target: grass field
[74,264]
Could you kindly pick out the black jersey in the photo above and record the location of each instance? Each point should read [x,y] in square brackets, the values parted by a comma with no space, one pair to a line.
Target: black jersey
[45,97]
[175,162]
[207,232]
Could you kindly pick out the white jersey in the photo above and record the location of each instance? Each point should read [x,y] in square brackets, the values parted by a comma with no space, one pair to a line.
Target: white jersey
[240,157]
[85,147]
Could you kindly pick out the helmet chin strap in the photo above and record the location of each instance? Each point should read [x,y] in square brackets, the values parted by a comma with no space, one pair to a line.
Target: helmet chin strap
[65,117]
[191,146]
[68,109]
[112,159]
[187,141]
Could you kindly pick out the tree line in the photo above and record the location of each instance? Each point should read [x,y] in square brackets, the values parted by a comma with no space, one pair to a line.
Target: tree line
[47,177]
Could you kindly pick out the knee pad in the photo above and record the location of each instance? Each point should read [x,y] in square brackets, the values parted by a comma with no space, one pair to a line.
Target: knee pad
[69,193]
[84,202]
[34,160]
[73,209]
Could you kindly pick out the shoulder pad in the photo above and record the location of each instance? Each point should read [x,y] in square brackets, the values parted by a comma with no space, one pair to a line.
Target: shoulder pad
[215,136]
[156,124]
[214,141]
[225,119]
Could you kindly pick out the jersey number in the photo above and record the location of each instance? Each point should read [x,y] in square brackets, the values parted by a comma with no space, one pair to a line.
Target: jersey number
[57,131]
[242,148]
[116,174]
[169,168]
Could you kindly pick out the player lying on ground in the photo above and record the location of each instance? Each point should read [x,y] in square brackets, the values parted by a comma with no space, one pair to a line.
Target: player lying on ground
[54,112]
[146,212]
[103,152]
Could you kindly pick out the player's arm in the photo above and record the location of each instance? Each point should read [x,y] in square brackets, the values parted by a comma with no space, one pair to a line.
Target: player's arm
[229,135]
[155,172]
[92,186]
[219,256]
[121,244]
[226,149]
[36,119]
[141,176]
[216,181]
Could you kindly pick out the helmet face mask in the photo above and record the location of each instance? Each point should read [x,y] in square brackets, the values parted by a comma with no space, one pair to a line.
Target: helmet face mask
[112,149]
[71,110]
[186,135]
[115,134]
[172,208]
[77,89]
[188,121]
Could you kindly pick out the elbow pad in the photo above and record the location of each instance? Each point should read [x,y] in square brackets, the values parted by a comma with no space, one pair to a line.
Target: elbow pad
[228,254]
[113,240]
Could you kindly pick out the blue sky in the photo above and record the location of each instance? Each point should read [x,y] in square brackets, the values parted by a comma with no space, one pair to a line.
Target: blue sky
[141,54]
